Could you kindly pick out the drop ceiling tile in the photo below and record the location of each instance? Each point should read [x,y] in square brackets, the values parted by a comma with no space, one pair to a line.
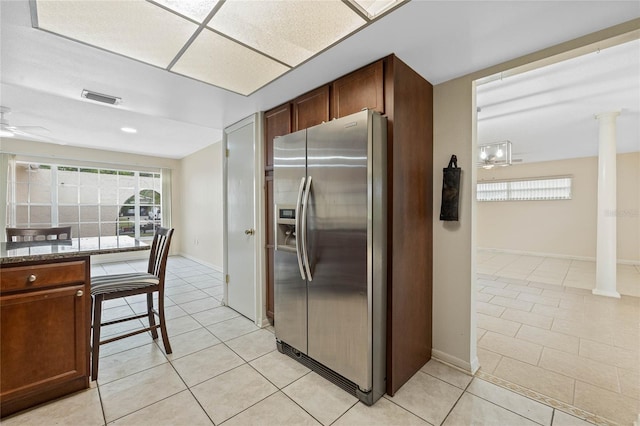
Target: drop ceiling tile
[290,31]
[194,9]
[135,28]
[217,60]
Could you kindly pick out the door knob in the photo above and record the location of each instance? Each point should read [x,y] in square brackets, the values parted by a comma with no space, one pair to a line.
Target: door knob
[249,231]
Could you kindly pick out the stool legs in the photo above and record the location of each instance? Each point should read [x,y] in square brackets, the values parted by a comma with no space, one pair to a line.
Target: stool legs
[95,346]
[152,316]
[163,325]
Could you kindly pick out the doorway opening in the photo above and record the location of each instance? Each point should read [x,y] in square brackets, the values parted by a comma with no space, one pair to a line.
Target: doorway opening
[540,328]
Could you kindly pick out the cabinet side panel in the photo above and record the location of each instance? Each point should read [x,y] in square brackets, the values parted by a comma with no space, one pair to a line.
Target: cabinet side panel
[277,122]
[411,234]
[269,251]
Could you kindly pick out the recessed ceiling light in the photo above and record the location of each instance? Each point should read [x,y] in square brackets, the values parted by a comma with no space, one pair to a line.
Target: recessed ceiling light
[129,130]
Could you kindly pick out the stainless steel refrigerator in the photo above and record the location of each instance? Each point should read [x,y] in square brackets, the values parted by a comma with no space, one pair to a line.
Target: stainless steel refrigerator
[330,256]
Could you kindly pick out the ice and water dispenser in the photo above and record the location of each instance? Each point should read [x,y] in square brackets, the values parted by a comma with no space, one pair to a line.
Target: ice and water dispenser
[286,227]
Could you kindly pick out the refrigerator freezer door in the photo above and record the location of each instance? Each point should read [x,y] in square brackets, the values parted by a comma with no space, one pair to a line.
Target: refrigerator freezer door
[338,309]
[290,304]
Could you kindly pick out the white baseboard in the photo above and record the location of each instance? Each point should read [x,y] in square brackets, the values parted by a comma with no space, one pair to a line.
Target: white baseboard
[469,368]
[612,294]
[263,323]
[202,262]
[553,255]
[475,365]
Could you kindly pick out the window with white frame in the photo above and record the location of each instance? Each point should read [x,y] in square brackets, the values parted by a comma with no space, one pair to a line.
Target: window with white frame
[552,188]
[93,201]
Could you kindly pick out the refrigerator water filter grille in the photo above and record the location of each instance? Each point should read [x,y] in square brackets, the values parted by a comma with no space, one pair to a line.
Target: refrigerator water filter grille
[330,375]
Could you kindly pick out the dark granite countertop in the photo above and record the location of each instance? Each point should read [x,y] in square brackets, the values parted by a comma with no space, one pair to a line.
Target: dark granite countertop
[12,252]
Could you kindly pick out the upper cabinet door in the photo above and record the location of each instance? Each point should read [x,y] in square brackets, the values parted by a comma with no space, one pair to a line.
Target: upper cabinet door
[360,89]
[277,122]
[311,108]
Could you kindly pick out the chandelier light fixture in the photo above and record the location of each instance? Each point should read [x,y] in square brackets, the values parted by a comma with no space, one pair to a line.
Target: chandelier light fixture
[494,154]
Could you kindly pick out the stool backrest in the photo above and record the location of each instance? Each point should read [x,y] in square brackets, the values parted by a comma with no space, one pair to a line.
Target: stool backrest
[160,252]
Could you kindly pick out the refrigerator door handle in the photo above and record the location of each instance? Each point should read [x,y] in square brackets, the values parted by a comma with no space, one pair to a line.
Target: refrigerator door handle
[305,251]
[298,202]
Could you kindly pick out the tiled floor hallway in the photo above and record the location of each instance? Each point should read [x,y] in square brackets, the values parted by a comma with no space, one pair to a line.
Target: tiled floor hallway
[225,370]
[540,327]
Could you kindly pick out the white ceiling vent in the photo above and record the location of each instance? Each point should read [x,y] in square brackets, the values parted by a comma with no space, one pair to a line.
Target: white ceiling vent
[100,97]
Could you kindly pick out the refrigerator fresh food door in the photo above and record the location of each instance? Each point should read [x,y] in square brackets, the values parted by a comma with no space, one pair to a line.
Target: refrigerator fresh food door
[339,328]
[289,176]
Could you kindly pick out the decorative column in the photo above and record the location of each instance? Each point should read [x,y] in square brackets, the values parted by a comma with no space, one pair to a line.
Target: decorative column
[606,259]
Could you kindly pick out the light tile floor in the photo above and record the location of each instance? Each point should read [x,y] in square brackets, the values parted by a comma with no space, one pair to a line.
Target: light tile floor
[541,329]
[225,370]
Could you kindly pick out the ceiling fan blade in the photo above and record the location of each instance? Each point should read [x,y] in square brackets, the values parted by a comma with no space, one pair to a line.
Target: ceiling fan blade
[32,129]
[33,136]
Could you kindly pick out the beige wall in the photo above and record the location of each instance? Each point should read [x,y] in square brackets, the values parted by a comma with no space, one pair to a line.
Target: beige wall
[628,210]
[454,321]
[561,227]
[453,246]
[201,190]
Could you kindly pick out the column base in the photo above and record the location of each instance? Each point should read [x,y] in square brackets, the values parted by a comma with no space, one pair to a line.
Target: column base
[606,293]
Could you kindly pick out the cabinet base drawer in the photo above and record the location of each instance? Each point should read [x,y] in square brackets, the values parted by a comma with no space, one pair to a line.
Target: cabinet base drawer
[37,276]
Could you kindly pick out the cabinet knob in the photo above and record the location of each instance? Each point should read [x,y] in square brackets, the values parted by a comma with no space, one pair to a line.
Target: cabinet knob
[249,231]
[32,278]
[79,293]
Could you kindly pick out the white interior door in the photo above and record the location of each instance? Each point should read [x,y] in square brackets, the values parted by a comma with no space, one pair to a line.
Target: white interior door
[241,234]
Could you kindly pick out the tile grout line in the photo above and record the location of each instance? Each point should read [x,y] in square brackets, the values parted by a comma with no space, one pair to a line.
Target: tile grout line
[546,400]
[104,415]
[146,369]
[223,343]
[505,408]
[252,405]
[248,363]
[554,319]
[170,362]
[188,388]
[456,403]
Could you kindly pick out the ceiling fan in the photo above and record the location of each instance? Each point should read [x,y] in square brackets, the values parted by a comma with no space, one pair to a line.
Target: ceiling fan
[29,132]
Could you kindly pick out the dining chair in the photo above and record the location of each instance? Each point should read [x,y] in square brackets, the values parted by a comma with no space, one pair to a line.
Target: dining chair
[38,234]
[115,286]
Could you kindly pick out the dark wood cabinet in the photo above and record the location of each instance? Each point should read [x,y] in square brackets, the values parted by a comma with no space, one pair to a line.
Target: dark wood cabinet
[394,89]
[409,109]
[268,199]
[44,332]
[311,108]
[361,89]
[277,122]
